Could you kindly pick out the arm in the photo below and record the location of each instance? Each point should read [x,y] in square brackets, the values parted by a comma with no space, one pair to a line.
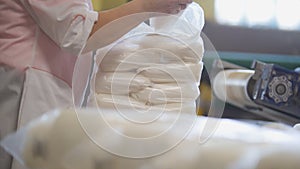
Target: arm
[111,27]
[69,23]
[139,6]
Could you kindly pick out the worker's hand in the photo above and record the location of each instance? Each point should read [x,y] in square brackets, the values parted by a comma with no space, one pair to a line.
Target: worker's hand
[135,7]
[164,6]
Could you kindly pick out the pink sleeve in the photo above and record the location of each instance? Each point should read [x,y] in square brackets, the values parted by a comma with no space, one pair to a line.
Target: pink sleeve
[67,22]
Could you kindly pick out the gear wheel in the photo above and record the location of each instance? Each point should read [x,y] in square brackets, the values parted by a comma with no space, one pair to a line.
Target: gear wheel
[280,89]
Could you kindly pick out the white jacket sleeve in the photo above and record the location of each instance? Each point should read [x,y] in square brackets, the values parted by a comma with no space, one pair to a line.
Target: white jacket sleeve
[67,22]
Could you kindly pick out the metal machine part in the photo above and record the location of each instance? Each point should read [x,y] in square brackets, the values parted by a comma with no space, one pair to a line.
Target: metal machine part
[231,86]
[269,91]
[277,88]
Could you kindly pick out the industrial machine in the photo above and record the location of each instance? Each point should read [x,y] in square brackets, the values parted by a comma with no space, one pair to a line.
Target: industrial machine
[268,90]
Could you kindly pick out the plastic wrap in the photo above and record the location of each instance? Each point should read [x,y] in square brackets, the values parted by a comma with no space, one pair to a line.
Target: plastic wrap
[79,139]
[130,54]
[127,102]
[157,64]
[120,83]
[189,73]
[167,93]
[297,126]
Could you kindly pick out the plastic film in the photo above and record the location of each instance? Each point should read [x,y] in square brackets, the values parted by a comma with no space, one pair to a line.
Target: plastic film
[57,140]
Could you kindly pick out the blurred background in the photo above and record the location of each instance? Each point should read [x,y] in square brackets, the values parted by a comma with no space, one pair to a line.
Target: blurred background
[243,31]
[260,26]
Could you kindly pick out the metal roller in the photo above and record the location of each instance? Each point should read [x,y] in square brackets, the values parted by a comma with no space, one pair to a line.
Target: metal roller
[231,86]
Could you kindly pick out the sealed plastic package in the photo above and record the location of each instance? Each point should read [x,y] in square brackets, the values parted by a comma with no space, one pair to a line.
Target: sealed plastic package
[155,66]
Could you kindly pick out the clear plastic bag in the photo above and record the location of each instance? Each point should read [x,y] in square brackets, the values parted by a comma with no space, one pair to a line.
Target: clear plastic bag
[172,73]
[89,139]
[120,83]
[131,54]
[167,93]
[166,52]
[128,102]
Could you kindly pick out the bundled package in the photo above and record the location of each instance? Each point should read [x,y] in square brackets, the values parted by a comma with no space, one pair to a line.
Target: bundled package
[156,65]
[93,139]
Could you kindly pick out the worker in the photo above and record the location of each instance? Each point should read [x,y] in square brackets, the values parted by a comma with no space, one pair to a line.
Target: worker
[39,43]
